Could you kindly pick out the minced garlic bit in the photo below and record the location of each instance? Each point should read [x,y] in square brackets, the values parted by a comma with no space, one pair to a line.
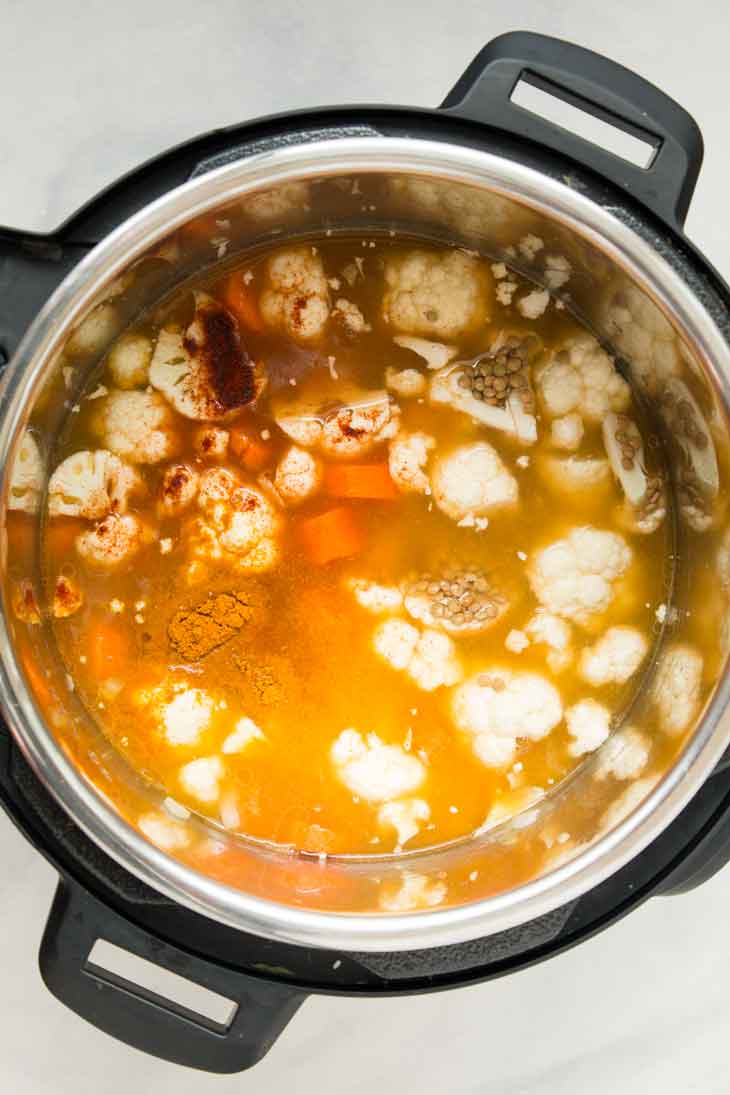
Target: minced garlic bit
[523,461]
[116,606]
[522,556]
[265,435]
[139,618]
[166,545]
[248,277]
[139,606]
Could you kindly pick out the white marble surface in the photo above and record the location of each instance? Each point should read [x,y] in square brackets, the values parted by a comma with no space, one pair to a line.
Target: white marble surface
[88,90]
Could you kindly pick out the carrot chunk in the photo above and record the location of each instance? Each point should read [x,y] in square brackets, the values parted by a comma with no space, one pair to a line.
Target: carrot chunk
[334,534]
[238,298]
[253,453]
[108,649]
[360,481]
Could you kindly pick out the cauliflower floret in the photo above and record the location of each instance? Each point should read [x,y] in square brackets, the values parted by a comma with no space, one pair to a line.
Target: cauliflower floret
[406,383]
[91,484]
[366,420]
[472,480]
[498,708]
[405,817]
[555,633]
[129,361]
[677,688]
[408,457]
[615,657]
[186,716]
[68,597]
[567,432]
[244,732]
[211,442]
[574,577]
[435,354]
[95,332]
[205,372]
[375,771]
[201,778]
[178,490]
[239,523]
[350,316]
[589,724]
[112,541]
[628,801]
[642,333]
[138,426]
[297,300]
[582,378]
[429,657]
[26,479]
[298,476]
[416,891]
[163,831]
[436,295]
[277,204]
[624,756]
[575,474]
[375,598]
[534,304]
[516,641]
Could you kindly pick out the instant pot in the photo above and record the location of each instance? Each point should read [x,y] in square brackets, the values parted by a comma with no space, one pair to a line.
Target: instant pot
[492,176]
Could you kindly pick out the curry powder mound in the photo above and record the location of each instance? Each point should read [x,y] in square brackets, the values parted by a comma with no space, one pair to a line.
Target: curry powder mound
[194,632]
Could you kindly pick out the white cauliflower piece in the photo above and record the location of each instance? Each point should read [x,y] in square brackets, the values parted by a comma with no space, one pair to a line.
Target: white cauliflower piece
[211,442]
[186,716]
[677,688]
[628,801]
[567,432]
[534,304]
[201,778]
[374,771]
[589,724]
[350,316]
[95,332]
[298,476]
[581,378]
[615,657]
[574,577]
[556,634]
[68,597]
[112,541]
[416,891]
[435,354]
[138,426]
[297,300]
[375,598]
[406,817]
[408,458]
[624,756]
[575,474]
[472,480]
[439,296]
[163,831]
[498,708]
[446,390]
[239,523]
[644,336]
[429,656]
[244,732]
[205,371]
[277,204]
[516,641]
[26,478]
[406,383]
[365,421]
[129,361]
[91,484]
[178,490]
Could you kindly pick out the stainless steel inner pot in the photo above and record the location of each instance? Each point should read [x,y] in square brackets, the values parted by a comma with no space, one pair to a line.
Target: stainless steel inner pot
[640,295]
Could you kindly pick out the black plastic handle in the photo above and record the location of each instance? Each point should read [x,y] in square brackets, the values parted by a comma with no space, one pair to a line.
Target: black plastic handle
[599,87]
[143,1019]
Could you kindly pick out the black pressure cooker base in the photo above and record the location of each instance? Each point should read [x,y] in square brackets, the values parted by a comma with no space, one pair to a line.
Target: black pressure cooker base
[268,980]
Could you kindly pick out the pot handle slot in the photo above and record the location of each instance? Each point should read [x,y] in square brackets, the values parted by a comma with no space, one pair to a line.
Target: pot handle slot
[145,1019]
[598,87]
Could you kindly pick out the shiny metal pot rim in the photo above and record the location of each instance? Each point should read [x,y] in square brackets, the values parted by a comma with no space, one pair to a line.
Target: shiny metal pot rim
[87,807]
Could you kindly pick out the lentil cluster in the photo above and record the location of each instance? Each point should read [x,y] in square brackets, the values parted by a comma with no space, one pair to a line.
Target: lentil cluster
[460,599]
[495,376]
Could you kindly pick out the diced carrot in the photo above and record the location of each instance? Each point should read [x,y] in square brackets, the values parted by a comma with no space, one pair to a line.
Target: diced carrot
[39,685]
[202,228]
[331,535]
[108,650]
[253,453]
[239,299]
[359,481]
